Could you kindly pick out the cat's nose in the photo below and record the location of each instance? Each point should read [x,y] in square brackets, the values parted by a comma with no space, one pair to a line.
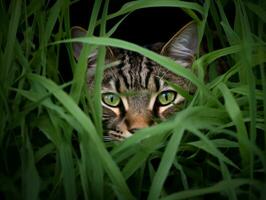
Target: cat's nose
[133,130]
[135,121]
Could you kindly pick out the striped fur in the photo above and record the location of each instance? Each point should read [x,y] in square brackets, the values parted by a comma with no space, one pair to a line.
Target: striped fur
[140,84]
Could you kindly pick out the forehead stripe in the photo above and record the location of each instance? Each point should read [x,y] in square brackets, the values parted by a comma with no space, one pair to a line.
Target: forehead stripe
[141,71]
[148,76]
[117,85]
[157,83]
[120,72]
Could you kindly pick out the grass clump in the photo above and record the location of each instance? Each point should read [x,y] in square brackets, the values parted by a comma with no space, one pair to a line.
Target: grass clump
[51,134]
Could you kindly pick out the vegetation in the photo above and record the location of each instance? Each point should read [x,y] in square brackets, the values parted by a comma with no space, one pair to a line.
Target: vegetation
[50,130]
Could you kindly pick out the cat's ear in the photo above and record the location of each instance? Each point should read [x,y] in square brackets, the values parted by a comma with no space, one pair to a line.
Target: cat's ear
[76,32]
[183,45]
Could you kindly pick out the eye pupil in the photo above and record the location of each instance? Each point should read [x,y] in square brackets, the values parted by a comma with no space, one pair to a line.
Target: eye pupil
[166,96]
[112,99]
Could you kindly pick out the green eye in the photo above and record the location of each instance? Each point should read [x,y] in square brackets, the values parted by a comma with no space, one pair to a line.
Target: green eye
[166,97]
[111,99]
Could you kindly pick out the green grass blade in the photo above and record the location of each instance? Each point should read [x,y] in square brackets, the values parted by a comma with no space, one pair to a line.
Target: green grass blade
[143,134]
[99,72]
[257,10]
[165,164]
[201,28]
[68,171]
[79,72]
[42,98]
[97,89]
[138,160]
[249,76]
[210,147]
[214,55]
[236,116]
[135,163]
[69,104]
[219,187]
[31,181]
[219,143]
[10,42]
[232,37]
[84,180]
[135,5]
[183,175]
[44,151]
[231,193]
[114,28]
[51,20]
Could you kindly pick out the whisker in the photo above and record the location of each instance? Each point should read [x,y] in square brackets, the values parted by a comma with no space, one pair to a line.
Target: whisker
[107,138]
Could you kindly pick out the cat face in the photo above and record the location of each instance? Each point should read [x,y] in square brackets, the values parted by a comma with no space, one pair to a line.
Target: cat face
[135,91]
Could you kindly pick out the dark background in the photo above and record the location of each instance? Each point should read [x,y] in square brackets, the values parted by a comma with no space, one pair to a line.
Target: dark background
[145,26]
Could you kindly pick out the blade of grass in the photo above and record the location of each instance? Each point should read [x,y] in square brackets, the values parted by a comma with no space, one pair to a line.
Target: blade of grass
[44,151]
[210,147]
[231,193]
[42,98]
[257,10]
[10,41]
[84,179]
[247,63]
[69,104]
[49,129]
[30,177]
[81,67]
[219,143]
[244,90]
[214,55]
[68,170]
[236,116]
[165,164]
[219,187]
[232,37]
[142,135]
[138,160]
[99,73]
[182,173]
[95,165]
[135,5]
[114,28]
[204,21]
[263,80]
[52,18]
[197,114]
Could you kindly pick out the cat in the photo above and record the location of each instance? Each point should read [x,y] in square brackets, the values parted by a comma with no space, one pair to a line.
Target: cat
[136,92]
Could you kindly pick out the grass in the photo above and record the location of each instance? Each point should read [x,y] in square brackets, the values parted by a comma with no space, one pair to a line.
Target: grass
[50,130]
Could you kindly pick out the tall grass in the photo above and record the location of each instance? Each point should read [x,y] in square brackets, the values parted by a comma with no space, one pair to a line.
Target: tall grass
[51,134]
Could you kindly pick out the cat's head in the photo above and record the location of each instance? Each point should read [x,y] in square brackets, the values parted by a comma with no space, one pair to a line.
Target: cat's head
[135,90]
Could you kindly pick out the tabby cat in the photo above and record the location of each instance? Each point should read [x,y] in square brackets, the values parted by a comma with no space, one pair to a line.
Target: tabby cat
[135,90]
